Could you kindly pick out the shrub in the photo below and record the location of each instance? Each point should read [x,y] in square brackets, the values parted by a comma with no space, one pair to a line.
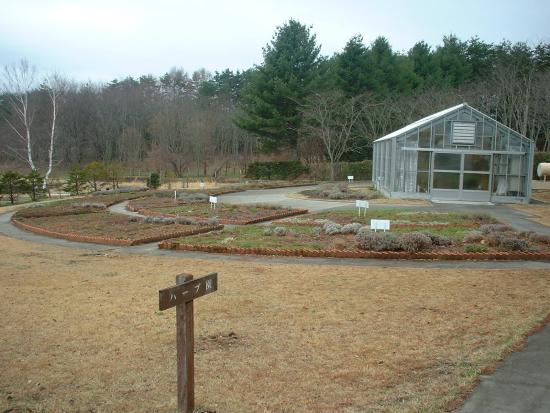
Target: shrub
[133,219]
[473,237]
[378,241]
[415,241]
[95,205]
[268,232]
[316,232]
[439,240]
[332,228]
[513,244]
[352,228]
[475,248]
[153,180]
[337,195]
[280,231]
[186,221]
[489,228]
[148,219]
[192,196]
[214,222]
[540,238]
[276,170]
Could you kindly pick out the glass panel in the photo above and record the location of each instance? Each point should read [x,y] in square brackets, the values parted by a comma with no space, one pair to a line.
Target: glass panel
[513,165]
[446,180]
[438,141]
[447,161]
[422,182]
[423,161]
[477,162]
[424,137]
[515,143]
[479,182]
[438,128]
[487,143]
[502,139]
[412,140]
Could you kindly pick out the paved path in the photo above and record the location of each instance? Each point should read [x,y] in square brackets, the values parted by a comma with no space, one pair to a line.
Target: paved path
[520,384]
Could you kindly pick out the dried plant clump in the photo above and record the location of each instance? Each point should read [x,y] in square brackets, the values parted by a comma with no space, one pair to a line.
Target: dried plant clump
[473,237]
[378,241]
[92,205]
[415,241]
[439,240]
[268,232]
[280,231]
[490,228]
[186,221]
[332,228]
[352,228]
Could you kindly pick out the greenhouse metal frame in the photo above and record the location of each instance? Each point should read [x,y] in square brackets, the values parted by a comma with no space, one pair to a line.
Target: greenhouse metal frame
[458,154]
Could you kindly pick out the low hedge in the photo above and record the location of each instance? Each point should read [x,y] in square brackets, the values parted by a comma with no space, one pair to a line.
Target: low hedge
[276,170]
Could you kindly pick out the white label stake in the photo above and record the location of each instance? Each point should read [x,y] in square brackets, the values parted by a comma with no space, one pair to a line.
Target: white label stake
[362,204]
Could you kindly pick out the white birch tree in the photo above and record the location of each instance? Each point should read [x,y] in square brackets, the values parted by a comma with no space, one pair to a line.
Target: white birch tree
[17,83]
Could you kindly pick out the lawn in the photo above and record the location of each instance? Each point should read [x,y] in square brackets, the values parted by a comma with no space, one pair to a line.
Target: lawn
[105,224]
[81,332]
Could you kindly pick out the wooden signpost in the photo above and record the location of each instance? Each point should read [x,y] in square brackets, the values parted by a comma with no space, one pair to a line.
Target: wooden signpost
[181,296]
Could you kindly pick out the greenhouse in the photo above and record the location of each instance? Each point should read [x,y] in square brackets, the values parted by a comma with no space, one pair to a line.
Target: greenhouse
[458,154]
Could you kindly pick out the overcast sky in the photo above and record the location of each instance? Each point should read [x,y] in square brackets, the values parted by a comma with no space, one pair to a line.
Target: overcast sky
[102,40]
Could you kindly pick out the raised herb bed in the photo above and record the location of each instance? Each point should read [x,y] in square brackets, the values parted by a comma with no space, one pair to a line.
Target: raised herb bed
[106,228]
[226,213]
[446,242]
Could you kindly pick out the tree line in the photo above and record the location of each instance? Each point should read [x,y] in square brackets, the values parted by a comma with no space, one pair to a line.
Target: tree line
[296,104]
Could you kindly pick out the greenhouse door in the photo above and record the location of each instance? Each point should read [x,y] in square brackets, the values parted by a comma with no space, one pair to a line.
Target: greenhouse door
[461,176]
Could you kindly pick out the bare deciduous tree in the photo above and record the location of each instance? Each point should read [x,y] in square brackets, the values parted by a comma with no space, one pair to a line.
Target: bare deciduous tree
[17,83]
[56,86]
[331,117]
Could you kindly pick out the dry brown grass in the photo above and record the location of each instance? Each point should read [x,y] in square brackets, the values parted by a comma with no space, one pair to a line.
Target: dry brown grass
[539,213]
[81,332]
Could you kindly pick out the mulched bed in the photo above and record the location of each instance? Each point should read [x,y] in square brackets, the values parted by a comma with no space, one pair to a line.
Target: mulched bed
[303,252]
[75,206]
[106,228]
[226,213]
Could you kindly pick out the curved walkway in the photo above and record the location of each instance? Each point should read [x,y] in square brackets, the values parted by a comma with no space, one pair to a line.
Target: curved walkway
[277,196]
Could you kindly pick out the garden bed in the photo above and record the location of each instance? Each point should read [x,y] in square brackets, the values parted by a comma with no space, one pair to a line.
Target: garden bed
[199,210]
[411,242]
[342,191]
[84,205]
[106,228]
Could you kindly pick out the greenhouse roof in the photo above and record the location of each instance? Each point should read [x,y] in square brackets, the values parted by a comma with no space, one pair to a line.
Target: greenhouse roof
[420,122]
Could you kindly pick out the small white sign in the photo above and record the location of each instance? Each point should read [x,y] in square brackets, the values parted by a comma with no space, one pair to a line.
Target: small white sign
[361,204]
[175,194]
[350,178]
[383,224]
[213,201]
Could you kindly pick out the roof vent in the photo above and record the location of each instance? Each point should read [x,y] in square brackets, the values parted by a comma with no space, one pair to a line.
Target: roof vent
[464,133]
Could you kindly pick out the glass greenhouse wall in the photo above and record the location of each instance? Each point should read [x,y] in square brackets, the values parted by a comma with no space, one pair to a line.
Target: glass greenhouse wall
[456,154]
